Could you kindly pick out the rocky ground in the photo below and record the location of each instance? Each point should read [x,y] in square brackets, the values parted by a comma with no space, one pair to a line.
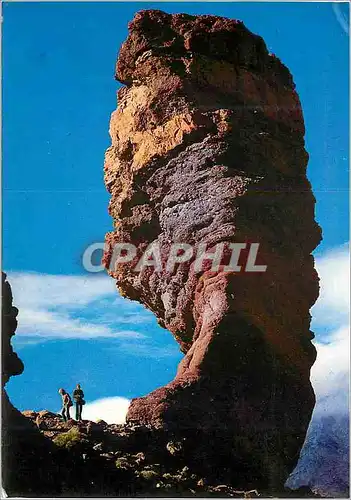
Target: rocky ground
[94,458]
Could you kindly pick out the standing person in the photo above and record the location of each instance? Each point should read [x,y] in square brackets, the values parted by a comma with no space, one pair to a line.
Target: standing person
[78,396]
[66,404]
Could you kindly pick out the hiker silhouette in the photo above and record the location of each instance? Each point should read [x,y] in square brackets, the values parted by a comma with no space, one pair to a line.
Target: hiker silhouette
[66,404]
[78,396]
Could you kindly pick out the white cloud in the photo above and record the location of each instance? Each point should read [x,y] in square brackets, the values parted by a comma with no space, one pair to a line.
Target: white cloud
[46,290]
[333,305]
[330,373]
[58,306]
[60,325]
[113,410]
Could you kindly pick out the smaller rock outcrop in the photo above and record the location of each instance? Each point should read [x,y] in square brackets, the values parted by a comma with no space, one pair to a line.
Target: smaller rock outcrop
[11,364]
[27,460]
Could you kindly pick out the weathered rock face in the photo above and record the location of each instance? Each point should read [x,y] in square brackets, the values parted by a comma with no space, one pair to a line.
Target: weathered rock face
[11,364]
[207,148]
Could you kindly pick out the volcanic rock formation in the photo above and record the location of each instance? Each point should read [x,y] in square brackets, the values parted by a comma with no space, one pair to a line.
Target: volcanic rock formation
[27,465]
[11,364]
[208,148]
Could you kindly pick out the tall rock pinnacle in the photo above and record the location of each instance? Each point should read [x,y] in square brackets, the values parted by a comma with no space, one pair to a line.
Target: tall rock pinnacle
[208,148]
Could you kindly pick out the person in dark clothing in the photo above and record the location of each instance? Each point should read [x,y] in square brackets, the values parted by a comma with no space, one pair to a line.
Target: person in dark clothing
[78,396]
[66,404]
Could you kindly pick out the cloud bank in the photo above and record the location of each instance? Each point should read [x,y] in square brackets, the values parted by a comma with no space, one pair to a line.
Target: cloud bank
[112,410]
[331,313]
[73,307]
[333,305]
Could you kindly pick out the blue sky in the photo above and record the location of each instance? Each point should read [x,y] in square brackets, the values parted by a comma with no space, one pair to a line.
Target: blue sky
[58,94]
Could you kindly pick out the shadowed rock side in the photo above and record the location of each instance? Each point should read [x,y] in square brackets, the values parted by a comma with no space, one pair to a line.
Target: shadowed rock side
[26,467]
[208,147]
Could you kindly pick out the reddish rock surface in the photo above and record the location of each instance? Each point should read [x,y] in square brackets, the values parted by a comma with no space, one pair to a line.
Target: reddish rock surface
[208,147]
